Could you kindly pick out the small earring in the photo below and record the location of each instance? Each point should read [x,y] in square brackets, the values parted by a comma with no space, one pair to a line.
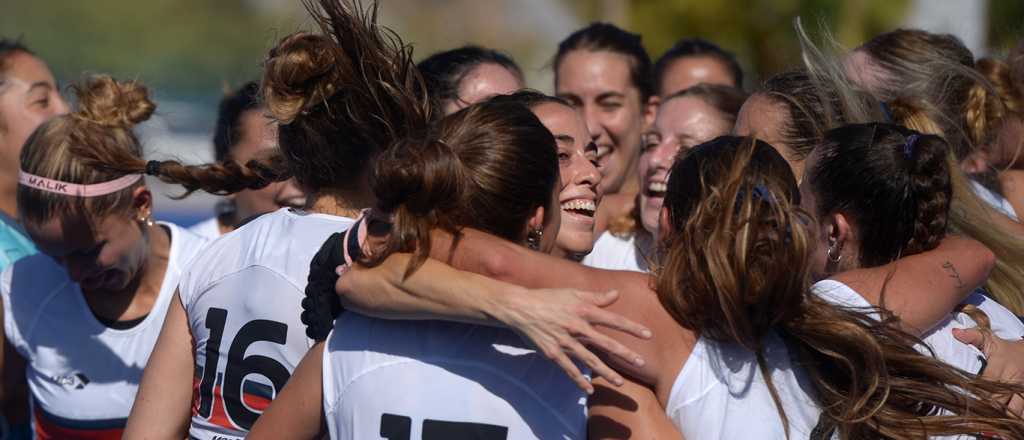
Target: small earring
[533,238]
[833,259]
[147,220]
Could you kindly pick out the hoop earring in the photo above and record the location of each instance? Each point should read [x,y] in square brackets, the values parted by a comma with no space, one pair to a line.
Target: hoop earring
[533,238]
[833,259]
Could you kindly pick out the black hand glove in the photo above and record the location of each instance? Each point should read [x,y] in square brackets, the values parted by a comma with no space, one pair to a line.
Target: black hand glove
[321,304]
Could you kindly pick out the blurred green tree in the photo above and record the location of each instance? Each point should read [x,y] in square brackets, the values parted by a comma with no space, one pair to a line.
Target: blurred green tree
[761,32]
[195,47]
[1006,23]
[185,46]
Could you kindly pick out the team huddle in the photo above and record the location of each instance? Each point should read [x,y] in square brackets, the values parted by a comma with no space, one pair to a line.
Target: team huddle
[435,251]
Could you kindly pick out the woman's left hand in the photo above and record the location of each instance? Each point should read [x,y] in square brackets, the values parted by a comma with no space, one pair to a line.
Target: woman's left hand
[1005,360]
[563,323]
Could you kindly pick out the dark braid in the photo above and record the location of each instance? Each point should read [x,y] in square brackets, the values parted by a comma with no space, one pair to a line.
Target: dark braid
[930,192]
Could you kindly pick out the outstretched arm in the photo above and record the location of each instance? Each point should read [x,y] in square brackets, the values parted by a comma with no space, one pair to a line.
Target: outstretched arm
[924,289]
[555,320]
[485,254]
[493,257]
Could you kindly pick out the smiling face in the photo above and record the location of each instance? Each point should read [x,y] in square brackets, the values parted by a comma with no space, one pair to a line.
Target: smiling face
[682,123]
[580,191]
[600,84]
[482,82]
[28,97]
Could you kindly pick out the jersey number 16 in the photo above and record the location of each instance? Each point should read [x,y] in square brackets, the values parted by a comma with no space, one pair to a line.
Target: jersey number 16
[239,365]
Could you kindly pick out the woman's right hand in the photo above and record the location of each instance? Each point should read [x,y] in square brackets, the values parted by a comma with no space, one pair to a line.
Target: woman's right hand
[563,323]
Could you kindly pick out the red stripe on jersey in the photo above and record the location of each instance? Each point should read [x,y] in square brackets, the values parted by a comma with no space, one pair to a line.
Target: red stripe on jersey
[48,430]
[257,403]
[219,415]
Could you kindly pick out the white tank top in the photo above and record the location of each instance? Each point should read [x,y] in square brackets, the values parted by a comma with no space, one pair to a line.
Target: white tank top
[1004,323]
[243,298]
[614,253]
[434,380]
[208,229]
[82,375]
[721,394]
[940,339]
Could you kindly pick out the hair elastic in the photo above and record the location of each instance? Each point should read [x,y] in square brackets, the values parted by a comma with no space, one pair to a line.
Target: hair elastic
[762,192]
[908,147]
[887,112]
[758,192]
[75,189]
[153,168]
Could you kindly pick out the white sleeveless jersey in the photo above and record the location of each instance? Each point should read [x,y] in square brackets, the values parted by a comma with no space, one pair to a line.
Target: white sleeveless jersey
[721,394]
[940,339]
[208,229]
[243,298]
[434,380]
[82,375]
[614,253]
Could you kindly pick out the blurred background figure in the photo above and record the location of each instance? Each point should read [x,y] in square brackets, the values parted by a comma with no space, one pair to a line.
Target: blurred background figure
[29,96]
[460,77]
[243,131]
[693,61]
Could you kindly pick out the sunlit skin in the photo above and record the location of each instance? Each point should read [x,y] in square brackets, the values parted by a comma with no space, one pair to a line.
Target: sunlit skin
[482,82]
[682,123]
[599,83]
[29,96]
[259,133]
[763,118]
[687,72]
[549,220]
[117,260]
[579,194]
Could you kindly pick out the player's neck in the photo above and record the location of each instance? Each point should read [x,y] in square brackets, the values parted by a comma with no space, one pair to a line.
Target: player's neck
[340,204]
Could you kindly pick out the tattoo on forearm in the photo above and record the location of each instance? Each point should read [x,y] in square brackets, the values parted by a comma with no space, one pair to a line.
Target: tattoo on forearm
[953,273]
